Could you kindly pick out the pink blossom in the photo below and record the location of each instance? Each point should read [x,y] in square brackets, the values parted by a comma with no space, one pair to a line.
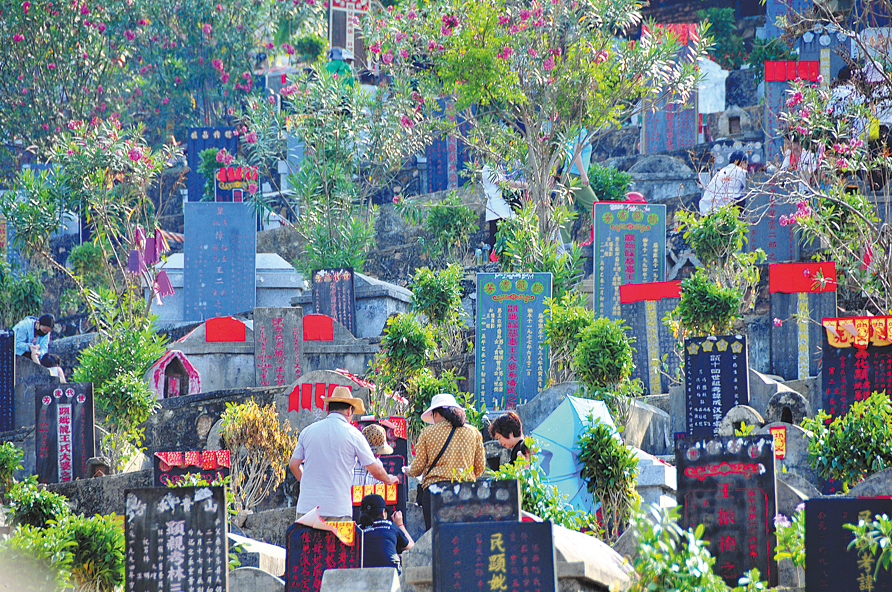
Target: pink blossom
[802,130]
[514,29]
[804,113]
[406,121]
[396,199]
[51,66]
[143,22]
[206,28]
[778,322]
[820,79]
[387,58]
[224,78]
[449,21]
[375,47]
[784,220]
[165,101]
[252,187]
[227,159]
[548,64]
[539,22]
[219,8]
[411,15]
[251,137]
[431,45]
[505,53]
[533,53]
[177,79]
[24,91]
[400,36]
[220,154]
[404,54]
[18,37]
[129,35]
[355,19]
[842,163]
[795,99]
[134,155]
[144,69]
[524,14]
[100,26]
[74,124]
[601,57]
[288,90]
[26,6]
[45,126]
[85,10]
[217,64]
[271,99]
[289,49]
[503,19]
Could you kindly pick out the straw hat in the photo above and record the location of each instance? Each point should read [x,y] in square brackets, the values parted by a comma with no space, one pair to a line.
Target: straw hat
[377,439]
[441,400]
[341,394]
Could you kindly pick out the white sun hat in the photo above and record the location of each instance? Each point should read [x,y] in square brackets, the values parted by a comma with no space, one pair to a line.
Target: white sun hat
[440,400]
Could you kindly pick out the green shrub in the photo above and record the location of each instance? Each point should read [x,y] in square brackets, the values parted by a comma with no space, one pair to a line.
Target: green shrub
[33,506]
[854,446]
[451,225]
[728,50]
[541,499]
[421,389]
[603,357]
[407,344]
[705,308]
[127,350]
[207,168]
[34,559]
[310,48]
[610,471]
[97,550]
[88,261]
[20,296]
[608,183]
[10,461]
[437,294]
[565,321]
[715,237]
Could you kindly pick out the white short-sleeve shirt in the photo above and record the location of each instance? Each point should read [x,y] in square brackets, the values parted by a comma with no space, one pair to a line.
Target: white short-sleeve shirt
[330,449]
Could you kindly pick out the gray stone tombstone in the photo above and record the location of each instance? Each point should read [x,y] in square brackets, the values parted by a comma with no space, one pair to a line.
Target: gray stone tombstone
[303,404]
[252,579]
[643,308]
[369,579]
[791,451]
[278,342]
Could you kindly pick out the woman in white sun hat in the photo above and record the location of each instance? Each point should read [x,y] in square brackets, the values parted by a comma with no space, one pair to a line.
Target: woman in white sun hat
[448,450]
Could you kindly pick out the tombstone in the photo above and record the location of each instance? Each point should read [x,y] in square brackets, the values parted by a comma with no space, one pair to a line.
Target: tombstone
[202,138]
[343,27]
[219,266]
[517,556]
[716,379]
[303,404]
[801,295]
[476,501]
[65,437]
[711,89]
[629,248]
[278,340]
[396,430]
[764,211]
[222,351]
[310,552]
[829,564]
[369,579]
[175,539]
[170,468]
[825,44]
[173,375]
[790,451]
[511,356]
[670,127]
[856,361]
[644,306]
[333,295]
[388,492]
[778,75]
[447,156]
[727,485]
[232,183]
[7,381]
[776,8]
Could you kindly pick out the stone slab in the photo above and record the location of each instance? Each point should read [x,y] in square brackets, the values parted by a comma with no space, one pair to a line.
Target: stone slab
[251,579]
[264,556]
[369,579]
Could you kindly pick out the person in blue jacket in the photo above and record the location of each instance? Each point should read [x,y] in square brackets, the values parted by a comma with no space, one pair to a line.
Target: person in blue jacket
[32,336]
[382,540]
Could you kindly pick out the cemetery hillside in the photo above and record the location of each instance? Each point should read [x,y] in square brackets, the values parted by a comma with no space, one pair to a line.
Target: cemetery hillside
[446,295]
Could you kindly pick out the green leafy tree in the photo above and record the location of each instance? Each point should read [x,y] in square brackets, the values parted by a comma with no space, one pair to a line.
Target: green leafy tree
[567,318]
[451,225]
[728,50]
[20,295]
[10,461]
[705,308]
[407,346]
[610,472]
[32,505]
[525,76]
[608,183]
[853,446]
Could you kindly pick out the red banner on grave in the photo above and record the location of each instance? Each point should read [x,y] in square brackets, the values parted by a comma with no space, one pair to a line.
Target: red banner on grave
[629,293]
[796,278]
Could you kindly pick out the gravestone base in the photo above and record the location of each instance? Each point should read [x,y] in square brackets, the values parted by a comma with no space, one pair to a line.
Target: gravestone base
[370,579]
[648,428]
[251,579]
[657,481]
[263,556]
[28,376]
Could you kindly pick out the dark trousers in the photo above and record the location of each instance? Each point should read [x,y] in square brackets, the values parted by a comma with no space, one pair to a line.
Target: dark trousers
[426,507]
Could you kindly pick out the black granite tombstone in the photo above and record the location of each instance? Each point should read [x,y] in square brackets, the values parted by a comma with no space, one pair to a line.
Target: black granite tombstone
[309,552]
[475,501]
[511,353]
[334,295]
[856,361]
[829,564]
[66,436]
[175,539]
[716,379]
[516,556]
[7,381]
[643,307]
[202,138]
[629,248]
[801,295]
[728,486]
[219,259]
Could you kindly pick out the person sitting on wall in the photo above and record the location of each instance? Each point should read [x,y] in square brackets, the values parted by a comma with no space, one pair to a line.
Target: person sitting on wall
[382,540]
[727,186]
[32,336]
[508,430]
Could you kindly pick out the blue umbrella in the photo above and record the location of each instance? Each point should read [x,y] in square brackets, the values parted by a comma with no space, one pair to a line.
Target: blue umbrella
[559,455]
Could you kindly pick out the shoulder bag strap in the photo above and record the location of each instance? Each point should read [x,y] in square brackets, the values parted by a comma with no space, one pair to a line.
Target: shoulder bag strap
[442,450]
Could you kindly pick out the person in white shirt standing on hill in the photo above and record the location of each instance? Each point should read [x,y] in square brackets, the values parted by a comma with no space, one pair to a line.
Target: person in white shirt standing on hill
[727,186]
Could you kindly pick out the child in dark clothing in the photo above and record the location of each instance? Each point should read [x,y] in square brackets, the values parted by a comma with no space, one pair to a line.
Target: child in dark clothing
[382,540]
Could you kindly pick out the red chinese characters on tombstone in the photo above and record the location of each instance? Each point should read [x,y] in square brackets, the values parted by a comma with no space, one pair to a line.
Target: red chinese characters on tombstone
[861,375]
[513,335]
[629,257]
[297,337]
[279,350]
[64,453]
[263,363]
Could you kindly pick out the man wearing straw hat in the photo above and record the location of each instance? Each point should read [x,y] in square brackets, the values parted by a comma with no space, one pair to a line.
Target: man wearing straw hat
[325,455]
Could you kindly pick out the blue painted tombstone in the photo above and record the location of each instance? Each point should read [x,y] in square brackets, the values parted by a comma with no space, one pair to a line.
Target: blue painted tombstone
[220,251]
[827,46]
[776,8]
[447,156]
